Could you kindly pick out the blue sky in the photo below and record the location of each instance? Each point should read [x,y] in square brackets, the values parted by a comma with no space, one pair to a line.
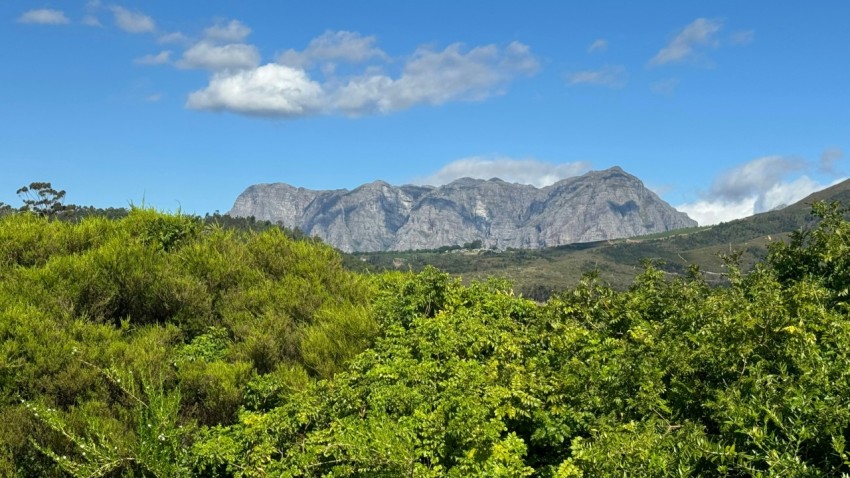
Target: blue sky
[723,108]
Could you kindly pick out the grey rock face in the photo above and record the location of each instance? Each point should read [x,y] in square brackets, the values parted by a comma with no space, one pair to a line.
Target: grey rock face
[599,205]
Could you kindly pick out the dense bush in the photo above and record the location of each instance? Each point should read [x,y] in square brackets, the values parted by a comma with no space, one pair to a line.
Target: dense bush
[111,327]
[157,345]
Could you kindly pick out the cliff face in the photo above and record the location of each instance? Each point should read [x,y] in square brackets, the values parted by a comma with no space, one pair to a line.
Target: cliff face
[599,205]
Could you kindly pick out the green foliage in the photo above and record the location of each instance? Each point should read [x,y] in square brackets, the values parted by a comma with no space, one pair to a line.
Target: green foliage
[120,338]
[159,345]
[668,378]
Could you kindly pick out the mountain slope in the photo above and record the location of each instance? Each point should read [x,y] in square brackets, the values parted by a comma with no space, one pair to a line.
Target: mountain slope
[599,205]
[538,273]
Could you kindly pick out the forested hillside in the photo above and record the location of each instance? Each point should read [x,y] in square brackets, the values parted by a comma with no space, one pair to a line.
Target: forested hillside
[158,345]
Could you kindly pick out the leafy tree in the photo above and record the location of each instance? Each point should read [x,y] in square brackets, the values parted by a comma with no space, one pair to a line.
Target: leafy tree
[42,199]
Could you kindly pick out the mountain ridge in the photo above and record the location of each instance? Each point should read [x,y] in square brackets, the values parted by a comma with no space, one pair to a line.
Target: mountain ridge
[377,216]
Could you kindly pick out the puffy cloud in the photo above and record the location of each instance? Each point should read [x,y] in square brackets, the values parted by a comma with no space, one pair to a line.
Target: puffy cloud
[350,47]
[612,76]
[427,77]
[757,186]
[160,58]
[598,45]
[436,77]
[132,22]
[233,31]
[44,16]
[699,33]
[523,171]
[209,56]
[270,90]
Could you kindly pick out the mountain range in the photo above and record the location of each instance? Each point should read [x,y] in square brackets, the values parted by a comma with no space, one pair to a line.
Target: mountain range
[538,273]
[493,214]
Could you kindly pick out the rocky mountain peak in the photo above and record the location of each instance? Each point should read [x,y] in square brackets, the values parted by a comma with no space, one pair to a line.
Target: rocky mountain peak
[599,205]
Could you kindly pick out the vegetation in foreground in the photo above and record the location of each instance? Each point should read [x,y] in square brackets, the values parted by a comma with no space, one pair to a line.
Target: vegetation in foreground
[157,345]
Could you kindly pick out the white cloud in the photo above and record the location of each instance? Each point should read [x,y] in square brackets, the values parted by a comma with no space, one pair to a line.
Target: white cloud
[132,22]
[712,211]
[598,45]
[92,21]
[699,33]
[523,171]
[160,58]
[612,76]
[350,47]
[44,16]
[666,86]
[436,77]
[755,187]
[428,77]
[786,193]
[707,212]
[153,98]
[208,56]
[270,90]
[234,31]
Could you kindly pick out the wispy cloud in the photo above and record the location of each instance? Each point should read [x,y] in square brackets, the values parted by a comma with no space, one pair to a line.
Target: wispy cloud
[598,45]
[91,21]
[221,48]
[754,176]
[742,37]
[44,16]
[524,171]
[233,31]
[209,56]
[612,76]
[173,37]
[666,86]
[760,185]
[349,47]
[436,77]
[160,58]
[699,34]
[829,160]
[132,21]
